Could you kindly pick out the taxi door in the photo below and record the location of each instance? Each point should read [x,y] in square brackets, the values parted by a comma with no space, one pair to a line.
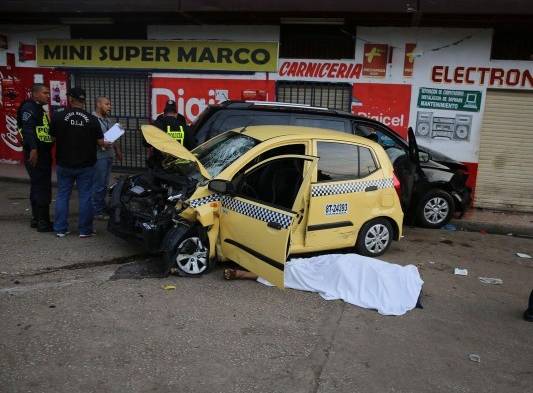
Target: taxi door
[256,234]
[344,195]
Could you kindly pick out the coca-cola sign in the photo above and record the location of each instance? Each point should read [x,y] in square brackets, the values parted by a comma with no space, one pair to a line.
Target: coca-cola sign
[10,135]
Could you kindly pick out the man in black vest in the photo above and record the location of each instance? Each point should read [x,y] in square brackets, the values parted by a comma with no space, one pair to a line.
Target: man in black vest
[77,134]
[33,124]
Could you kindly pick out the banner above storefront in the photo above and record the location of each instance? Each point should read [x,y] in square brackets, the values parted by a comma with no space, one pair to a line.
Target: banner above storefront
[175,55]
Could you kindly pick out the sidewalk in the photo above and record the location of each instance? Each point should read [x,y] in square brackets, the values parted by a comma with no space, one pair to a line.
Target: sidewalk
[17,173]
[475,220]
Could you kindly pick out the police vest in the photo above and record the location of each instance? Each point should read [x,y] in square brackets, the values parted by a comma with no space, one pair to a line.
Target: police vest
[43,132]
[177,135]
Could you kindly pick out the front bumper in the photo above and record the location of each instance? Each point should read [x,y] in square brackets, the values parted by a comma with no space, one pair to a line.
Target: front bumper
[463,200]
[129,226]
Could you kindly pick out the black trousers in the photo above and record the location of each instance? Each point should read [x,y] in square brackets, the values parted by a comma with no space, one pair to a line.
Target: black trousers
[40,178]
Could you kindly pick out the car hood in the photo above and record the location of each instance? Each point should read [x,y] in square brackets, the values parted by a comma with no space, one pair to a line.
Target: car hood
[164,143]
[438,160]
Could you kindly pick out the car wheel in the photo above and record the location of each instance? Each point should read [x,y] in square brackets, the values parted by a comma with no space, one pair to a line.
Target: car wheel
[190,257]
[375,237]
[435,209]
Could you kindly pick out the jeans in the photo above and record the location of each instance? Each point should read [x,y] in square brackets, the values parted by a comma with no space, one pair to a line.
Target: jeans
[102,172]
[66,177]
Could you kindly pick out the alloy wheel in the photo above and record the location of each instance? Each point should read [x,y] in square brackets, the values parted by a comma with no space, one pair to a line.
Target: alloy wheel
[192,256]
[436,210]
[377,238]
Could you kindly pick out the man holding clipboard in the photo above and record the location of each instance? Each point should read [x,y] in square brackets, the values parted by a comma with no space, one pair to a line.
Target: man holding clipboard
[104,159]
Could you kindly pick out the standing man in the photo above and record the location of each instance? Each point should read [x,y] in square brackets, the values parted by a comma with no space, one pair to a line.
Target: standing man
[175,125]
[77,134]
[104,159]
[37,144]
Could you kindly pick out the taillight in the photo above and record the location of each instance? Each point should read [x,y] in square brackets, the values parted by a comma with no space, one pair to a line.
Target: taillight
[397,185]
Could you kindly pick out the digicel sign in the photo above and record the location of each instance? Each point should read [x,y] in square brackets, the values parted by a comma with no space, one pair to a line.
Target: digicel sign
[490,76]
[312,69]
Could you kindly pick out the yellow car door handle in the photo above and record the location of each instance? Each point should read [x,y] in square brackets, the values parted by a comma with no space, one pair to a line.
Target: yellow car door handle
[275,225]
[371,188]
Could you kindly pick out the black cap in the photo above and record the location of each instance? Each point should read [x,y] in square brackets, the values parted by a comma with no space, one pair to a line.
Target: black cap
[170,106]
[77,93]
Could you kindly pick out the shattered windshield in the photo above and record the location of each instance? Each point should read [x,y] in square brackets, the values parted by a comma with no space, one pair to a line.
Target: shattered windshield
[221,151]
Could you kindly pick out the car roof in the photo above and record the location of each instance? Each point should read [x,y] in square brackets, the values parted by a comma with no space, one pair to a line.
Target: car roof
[266,132]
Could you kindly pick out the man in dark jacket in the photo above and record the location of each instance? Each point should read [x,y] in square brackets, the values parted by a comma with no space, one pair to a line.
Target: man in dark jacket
[77,134]
[33,124]
[174,125]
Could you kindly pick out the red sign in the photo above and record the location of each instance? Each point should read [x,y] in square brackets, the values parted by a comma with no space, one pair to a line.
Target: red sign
[193,95]
[302,69]
[409,60]
[387,103]
[26,52]
[375,59]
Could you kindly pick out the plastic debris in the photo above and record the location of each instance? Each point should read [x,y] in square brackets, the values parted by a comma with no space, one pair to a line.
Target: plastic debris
[522,255]
[474,357]
[490,280]
[169,287]
[449,227]
[431,262]
[460,271]
[510,234]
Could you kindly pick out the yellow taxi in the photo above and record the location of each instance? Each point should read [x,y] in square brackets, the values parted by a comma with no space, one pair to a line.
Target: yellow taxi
[257,195]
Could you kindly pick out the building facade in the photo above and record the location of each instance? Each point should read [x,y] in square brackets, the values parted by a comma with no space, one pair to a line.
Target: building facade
[462,93]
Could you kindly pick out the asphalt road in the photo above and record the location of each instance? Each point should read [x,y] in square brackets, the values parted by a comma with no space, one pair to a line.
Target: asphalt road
[75,317]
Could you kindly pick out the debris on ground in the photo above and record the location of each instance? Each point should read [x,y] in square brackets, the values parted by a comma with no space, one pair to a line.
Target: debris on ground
[169,287]
[431,262]
[474,357]
[449,227]
[522,255]
[460,271]
[490,280]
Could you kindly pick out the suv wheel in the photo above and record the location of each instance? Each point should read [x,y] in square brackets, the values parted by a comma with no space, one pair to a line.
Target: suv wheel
[190,257]
[375,237]
[435,209]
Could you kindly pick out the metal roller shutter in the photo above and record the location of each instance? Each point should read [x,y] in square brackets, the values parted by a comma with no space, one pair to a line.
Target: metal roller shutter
[329,95]
[505,171]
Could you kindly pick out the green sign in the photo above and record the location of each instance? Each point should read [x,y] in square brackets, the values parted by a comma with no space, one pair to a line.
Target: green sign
[451,100]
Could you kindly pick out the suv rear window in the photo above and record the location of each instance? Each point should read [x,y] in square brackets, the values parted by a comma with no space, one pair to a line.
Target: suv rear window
[337,125]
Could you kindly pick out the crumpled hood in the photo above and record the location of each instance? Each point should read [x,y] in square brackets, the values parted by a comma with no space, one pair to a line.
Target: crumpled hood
[164,143]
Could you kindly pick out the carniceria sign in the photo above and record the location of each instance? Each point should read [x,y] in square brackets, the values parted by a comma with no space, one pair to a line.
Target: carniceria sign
[447,99]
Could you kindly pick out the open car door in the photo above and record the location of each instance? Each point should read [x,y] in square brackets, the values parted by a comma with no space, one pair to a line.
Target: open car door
[256,224]
[406,170]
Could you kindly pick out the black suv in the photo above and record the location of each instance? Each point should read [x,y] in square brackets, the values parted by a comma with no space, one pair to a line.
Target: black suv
[432,186]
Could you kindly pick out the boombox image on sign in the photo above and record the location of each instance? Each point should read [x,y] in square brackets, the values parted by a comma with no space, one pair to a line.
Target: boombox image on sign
[439,127]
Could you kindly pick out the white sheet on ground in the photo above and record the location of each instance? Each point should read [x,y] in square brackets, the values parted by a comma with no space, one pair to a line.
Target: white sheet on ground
[366,282]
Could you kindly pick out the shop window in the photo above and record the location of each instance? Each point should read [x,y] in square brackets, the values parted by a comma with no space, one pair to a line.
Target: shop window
[316,42]
[328,95]
[512,44]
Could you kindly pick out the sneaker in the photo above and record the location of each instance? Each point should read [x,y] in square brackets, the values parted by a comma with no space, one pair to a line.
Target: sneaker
[101,217]
[84,235]
[62,234]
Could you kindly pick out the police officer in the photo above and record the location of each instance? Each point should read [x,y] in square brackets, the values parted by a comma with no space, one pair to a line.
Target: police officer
[174,125]
[33,125]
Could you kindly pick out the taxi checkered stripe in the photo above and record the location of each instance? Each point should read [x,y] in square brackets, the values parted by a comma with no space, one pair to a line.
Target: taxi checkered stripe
[257,212]
[349,187]
[204,200]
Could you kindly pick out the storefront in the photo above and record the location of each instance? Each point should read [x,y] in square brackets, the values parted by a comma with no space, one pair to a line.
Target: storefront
[440,81]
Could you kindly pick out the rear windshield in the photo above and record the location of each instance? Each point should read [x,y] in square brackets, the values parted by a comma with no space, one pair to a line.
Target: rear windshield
[220,152]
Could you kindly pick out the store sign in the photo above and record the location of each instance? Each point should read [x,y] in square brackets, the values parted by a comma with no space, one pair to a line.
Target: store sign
[387,103]
[375,60]
[489,76]
[409,60]
[317,69]
[453,100]
[193,95]
[175,55]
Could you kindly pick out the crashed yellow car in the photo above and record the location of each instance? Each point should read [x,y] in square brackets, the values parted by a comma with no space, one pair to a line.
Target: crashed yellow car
[256,195]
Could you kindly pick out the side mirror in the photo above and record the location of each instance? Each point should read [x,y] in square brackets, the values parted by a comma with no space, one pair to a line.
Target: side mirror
[221,186]
[424,156]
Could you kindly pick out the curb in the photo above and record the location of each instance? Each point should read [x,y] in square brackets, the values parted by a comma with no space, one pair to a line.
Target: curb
[494,228]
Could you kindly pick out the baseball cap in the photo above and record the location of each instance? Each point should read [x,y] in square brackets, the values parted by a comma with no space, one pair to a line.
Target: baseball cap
[77,93]
[170,106]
